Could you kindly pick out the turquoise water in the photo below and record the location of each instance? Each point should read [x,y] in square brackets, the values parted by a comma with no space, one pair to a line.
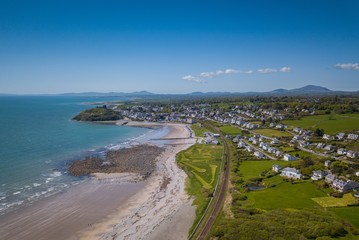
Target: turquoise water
[38,139]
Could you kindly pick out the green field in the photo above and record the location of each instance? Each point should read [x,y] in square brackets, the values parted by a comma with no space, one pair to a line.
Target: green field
[286,195]
[272,133]
[198,130]
[201,162]
[252,169]
[346,200]
[330,123]
[351,214]
[231,130]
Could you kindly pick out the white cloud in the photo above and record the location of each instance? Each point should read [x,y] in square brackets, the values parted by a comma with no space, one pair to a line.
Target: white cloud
[348,66]
[200,78]
[208,74]
[285,69]
[267,70]
[191,78]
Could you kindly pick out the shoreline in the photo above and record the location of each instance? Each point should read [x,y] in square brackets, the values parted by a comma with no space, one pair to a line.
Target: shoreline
[102,203]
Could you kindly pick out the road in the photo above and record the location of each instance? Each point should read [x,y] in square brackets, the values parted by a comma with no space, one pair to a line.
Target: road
[222,195]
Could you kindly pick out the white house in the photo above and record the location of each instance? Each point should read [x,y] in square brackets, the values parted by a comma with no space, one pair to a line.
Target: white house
[330,178]
[274,141]
[327,137]
[291,173]
[352,154]
[276,168]
[258,154]
[318,174]
[344,186]
[329,148]
[327,163]
[241,145]
[341,151]
[288,157]
[249,148]
[353,136]
[340,136]
[320,145]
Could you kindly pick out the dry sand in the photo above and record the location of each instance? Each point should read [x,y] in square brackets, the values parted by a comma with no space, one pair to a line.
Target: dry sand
[162,210]
[105,208]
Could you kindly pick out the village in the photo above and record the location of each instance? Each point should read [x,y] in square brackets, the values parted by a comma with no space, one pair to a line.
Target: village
[291,144]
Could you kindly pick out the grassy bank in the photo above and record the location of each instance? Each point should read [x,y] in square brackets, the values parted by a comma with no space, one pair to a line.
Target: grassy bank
[201,162]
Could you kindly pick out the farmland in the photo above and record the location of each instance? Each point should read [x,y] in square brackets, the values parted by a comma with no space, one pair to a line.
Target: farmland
[330,123]
[272,133]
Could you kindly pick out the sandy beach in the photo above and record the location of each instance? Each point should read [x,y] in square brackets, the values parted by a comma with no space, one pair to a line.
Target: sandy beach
[115,206]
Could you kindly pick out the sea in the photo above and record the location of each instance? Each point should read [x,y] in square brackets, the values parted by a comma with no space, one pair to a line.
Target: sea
[38,139]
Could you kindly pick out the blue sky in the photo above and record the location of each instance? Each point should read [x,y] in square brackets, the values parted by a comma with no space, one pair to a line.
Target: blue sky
[177,46]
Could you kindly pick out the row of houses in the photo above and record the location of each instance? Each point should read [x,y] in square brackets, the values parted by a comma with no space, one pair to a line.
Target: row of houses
[348,153]
[341,136]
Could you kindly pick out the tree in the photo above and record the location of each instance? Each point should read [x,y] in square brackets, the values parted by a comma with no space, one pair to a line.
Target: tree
[319,132]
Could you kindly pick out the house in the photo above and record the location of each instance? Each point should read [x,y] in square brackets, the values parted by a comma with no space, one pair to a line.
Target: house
[216,135]
[340,136]
[278,153]
[235,140]
[318,174]
[344,186]
[320,145]
[353,136]
[258,154]
[352,154]
[241,145]
[256,141]
[330,178]
[341,151]
[280,126]
[274,141]
[329,148]
[327,137]
[276,168]
[297,137]
[249,148]
[272,125]
[327,163]
[291,173]
[288,157]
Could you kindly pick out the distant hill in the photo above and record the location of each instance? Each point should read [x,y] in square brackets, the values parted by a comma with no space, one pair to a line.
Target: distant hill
[309,90]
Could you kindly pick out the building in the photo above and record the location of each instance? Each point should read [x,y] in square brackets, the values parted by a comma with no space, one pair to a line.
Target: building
[291,173]
[274,141]
[344,186]
[276,168]
[318,174]
[352,154]
[258,154]
[288,157]
[241,145]
[340,136]
[327,137]
[330,178]
[353,136]
[341,151]
[327,163]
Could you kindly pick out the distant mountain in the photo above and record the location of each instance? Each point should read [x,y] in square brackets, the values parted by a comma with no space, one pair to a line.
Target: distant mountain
[309,90]
[109,94]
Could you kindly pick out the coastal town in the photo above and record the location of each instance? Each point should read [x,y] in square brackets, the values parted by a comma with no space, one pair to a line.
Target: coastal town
[278,141]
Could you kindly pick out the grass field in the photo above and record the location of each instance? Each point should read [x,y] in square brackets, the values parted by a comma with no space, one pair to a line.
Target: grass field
[338,123]
[231,130]
[201,163]
[336,202]
[252,169]
[286,195]
[198,131]
[272,133]
[351,214]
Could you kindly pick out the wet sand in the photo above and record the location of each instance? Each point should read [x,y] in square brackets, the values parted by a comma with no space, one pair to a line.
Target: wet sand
[108,209]
[62,215]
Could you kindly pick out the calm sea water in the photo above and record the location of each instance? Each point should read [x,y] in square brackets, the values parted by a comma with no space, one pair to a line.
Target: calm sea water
[38,139]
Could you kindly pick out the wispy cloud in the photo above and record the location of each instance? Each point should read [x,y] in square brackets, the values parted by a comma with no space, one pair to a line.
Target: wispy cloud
[200,78]
[348,66]
[191,78]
